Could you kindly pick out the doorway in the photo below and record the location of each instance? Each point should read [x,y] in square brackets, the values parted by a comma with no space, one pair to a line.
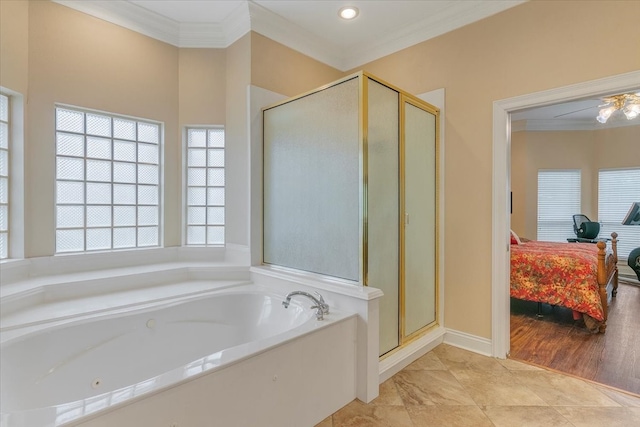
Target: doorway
[502,110]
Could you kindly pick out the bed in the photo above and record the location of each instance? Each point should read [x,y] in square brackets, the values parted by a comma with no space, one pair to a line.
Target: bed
[579,276]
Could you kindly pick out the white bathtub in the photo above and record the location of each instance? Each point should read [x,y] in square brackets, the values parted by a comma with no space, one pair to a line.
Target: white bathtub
[187,363]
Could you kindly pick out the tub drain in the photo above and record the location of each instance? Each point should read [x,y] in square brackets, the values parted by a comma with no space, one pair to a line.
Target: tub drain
[151,323]
[96,383]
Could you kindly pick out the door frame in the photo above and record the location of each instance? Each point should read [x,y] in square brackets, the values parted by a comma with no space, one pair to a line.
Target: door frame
[501,221]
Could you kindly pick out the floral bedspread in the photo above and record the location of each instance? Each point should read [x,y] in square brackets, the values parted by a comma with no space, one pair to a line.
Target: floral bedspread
[562,274]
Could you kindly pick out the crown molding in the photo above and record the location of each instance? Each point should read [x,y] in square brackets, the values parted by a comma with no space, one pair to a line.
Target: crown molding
[569,125]
[216,35]
[251,16]
[518,126]
[237,24]
[187,35]
[201,35]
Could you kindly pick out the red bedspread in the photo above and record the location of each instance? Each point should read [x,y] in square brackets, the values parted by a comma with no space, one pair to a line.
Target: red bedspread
[562,274]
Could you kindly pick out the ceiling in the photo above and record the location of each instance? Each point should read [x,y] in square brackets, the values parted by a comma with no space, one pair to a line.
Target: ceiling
[573,115]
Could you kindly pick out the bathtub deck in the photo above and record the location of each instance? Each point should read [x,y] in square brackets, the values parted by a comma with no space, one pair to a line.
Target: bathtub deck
[36,301]
[61,310]
[7,290]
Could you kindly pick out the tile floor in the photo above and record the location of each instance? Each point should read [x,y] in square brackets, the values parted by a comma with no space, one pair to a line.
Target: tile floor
[453,387]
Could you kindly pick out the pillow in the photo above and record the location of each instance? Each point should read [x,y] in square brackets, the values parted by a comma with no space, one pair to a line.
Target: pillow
[515,240]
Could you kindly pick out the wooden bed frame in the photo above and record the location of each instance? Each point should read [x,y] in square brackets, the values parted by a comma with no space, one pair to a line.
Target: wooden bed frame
[607,277]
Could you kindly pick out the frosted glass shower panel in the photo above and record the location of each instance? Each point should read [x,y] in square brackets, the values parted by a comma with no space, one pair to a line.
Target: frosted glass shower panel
[383,207]
[312,183]
[420,220]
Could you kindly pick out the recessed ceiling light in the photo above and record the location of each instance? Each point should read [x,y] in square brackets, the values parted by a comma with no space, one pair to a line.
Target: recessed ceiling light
[348,12]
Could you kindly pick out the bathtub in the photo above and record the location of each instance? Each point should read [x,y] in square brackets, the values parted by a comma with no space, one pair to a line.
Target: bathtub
[236,357]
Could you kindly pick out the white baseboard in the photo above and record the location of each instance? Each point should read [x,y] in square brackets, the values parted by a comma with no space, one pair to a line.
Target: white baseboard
[630,279]
[394,363]
[468,342]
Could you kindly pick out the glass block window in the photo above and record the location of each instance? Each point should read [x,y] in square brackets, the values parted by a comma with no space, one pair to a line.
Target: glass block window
[558,201]
[618,189]
[4,176]
[205,186]
[107,181]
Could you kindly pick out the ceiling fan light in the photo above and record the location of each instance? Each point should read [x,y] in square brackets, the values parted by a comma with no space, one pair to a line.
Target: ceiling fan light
[604,114]
[631,111]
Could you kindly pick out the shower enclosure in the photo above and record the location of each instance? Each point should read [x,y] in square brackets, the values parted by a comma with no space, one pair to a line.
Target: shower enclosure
[350,192]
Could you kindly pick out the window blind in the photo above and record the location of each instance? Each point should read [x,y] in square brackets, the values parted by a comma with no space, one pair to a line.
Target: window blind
[617,190]
[558,201]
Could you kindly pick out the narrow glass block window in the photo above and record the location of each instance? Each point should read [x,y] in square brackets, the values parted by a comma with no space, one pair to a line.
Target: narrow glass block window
[107,181]
[558,201]
[618,189]
[205,186]
[4,176]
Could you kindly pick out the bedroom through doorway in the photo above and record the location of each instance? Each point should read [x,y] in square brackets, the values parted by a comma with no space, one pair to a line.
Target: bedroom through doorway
[557,341]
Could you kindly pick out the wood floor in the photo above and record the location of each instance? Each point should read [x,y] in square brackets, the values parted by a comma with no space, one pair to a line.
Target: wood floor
[558,342]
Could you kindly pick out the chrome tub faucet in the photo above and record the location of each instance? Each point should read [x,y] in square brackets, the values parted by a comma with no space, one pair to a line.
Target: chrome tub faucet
[321,307]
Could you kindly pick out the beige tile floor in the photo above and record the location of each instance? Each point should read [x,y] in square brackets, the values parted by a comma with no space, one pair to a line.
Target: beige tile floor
[453,387]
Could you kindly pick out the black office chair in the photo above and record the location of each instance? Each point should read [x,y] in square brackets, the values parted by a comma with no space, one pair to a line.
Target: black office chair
[585,229]
[634,261]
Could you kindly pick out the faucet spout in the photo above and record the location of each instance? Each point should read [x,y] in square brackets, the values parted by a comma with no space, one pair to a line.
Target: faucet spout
[321,307]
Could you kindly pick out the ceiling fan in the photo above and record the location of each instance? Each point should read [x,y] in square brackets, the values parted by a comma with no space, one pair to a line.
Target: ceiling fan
[629,103]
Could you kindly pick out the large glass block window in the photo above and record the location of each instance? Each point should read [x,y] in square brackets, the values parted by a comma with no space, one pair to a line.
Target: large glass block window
[558,201]
[205,186]
[618,189]
[107,181]
[4,176]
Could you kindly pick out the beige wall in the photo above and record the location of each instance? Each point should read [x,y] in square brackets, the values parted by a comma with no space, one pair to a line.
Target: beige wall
[627,150]
[518,184]
[14,44]
[548,150]
[536,46]
[82,61]
[237,142]
[14,81]
[283,70]
[202,86]
[588,151]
